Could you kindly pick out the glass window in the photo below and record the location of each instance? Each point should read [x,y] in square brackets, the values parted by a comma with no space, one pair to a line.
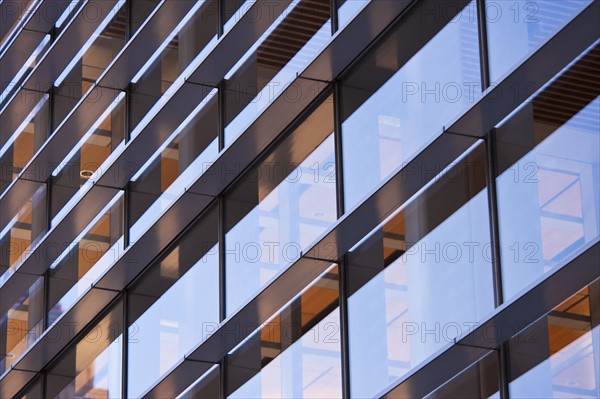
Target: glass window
[84,261]
[273,63]
[280,207]
[196,30]
[24,142]
[393,107]
[180,160]
[296,354]
[23,231]
[477,381]
[558,356]
[88,156]
[175,306]
[548,183]
[21,326]
[517,28]
[92,367]
[421,279]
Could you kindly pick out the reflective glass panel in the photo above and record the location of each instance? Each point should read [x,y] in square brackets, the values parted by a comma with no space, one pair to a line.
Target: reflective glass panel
[393,107]
[297,353]
[91,368]
[280,207]
[20,327]
[262,74]
[421,279]
[548,183]
[84,261]
[517,28]
[25,142]
[175,306]
[558,356]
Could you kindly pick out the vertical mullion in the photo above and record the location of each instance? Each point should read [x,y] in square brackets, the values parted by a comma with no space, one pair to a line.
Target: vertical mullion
[484,63]
[125,345]
[220,17]
[343,264]
[221,246]
[333,4]
[221,110]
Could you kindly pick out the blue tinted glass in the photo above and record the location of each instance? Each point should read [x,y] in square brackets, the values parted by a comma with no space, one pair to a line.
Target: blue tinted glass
[179,320]
[422,300]
[517,28]
[549,200]
[412,107]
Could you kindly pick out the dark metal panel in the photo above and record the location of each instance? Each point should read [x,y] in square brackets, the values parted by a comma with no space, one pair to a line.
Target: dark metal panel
[184,373]
[54,243]
[16,111]
[500,100]
[19,378]
[141,253]
[16,55]
[535,303]
[239,326]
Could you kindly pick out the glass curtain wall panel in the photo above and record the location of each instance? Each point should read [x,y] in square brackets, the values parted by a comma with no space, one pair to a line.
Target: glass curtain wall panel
[518,28]
[25,142]
[86,160]
[273,63]
[91,368]
[175,305]
[558,356]
[180,160]
[23,232]
[422,278]
[280,206]
[548,176]
[21,325]
[297,353]
[393,105]
[196,30]
[84,261]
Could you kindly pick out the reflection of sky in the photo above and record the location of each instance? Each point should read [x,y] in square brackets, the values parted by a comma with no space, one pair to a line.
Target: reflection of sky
[422,290]
[411,108]
[178,321]
[290,217]
[549,201]
[309,368]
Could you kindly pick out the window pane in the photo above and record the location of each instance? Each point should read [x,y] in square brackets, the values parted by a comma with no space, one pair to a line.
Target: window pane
[297,353]
[386,123]
[518,28]
[274,62]
[92,367]
[175,306]
[86,259]
[558,356]
[24,231]
[548,186]
[180,161]
[86,160]
[280,207]
[25,142]
[20,327]
[421,279]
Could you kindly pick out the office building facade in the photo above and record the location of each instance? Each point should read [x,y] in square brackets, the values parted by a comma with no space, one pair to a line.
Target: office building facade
[299,198]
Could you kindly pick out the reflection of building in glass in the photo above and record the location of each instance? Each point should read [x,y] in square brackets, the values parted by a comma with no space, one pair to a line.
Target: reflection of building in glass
[305,198]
